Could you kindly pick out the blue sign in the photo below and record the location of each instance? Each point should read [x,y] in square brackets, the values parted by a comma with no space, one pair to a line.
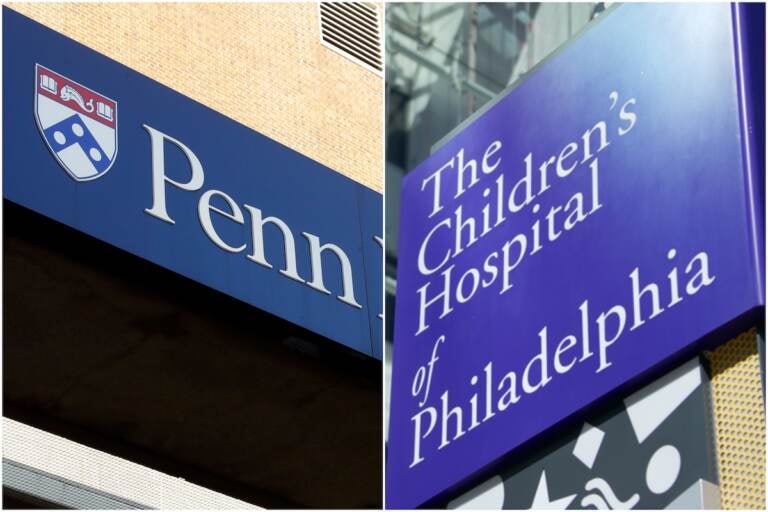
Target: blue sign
[99,147]
[597,224]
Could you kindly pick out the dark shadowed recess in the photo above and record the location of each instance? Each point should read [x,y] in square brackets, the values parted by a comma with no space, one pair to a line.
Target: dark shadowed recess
[119,354]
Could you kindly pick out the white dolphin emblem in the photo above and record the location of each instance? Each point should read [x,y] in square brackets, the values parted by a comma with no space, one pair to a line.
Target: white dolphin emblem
[70,94]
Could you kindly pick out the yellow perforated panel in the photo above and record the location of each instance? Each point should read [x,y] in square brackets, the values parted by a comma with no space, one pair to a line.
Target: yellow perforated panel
[739,422]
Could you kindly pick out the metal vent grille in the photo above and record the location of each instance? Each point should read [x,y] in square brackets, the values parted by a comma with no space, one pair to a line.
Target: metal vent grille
[353,29]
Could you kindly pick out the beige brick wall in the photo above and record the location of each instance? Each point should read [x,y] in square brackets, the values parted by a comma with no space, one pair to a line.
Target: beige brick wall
[260,64]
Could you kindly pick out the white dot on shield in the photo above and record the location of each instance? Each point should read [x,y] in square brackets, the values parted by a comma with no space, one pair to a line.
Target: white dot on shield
[95,154]
[77,129]
[59,137]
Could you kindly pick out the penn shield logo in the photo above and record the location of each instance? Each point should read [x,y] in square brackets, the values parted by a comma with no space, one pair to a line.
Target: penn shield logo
[79,125]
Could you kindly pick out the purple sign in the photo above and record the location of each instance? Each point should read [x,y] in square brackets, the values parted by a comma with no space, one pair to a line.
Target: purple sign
[595,225]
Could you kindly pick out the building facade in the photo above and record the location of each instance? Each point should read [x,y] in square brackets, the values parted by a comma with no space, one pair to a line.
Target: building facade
[129,385]
[448,66]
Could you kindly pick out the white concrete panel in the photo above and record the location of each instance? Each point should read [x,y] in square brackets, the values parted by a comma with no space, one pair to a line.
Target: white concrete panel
[78,466]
